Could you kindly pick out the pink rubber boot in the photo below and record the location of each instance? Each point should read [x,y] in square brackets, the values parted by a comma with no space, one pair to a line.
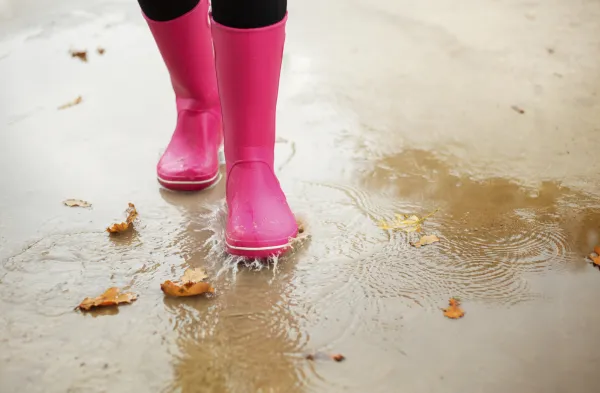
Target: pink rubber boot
[191,160]
[260,222]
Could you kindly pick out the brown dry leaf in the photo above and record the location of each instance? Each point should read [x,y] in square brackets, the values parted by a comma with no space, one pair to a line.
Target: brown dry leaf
[111,297]
[191,284]
[100,50]
[80,54]
[338,357]
[123,226]
[404,223]
[69,104]
[171,288]
[194,275]
[131,213]
[454,311]
[77,203]
[517,109]
[425,240]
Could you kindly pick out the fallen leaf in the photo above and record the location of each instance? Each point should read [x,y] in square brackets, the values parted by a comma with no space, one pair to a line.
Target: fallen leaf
[454,311]
[100,50]
[111,297]
[69,104]
[425,240]
[595,260]
[406,224]
[171,288]
[517,109]
[131,213]
[194,275]
[80,54]
[77,203]
[191,284]
[123,226]
[338,357]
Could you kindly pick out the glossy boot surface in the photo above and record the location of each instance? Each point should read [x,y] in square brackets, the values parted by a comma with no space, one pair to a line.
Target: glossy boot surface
[260,222]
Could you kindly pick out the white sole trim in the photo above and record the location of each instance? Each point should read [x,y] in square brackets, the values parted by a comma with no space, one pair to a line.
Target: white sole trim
[257,248]
[186,182]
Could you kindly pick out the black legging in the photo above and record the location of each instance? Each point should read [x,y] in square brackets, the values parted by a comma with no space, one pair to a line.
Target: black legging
[241,14]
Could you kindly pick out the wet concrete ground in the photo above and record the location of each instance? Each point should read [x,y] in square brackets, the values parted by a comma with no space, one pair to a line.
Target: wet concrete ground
[385,107]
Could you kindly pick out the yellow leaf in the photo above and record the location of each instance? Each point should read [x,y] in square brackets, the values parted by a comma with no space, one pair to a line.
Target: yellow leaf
[406,224]
[111,297]
[191,284]
[188,289]
[425,240]
[77,203]
[123,226]
[454,311]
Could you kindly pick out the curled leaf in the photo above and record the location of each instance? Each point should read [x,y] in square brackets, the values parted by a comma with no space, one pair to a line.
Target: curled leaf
[186,289]
[454,311]
[111,297]
[124,226]
[77,203]
[425,240]
[191,284]
[69,104]
[80,54]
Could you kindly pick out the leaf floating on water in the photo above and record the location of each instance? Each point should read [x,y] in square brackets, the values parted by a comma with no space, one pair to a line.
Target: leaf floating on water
[76,101]
[425,240]
[80,54]
[338,357]
[192,284]
[112,297]
[100,50]
[403,223]
[454,311]
[171,288]
[123,226]
[77,203]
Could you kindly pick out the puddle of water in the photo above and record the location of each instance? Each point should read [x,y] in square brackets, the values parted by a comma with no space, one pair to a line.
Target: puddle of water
[511,247]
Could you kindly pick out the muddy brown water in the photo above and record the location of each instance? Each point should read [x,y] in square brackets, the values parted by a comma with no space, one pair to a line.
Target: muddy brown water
[394,107]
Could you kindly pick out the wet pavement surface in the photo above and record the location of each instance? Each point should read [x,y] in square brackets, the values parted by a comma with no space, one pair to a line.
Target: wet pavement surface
[394,107]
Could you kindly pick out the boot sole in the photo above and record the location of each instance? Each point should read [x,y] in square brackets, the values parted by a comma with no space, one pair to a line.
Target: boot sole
[190,185]
[257,252]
